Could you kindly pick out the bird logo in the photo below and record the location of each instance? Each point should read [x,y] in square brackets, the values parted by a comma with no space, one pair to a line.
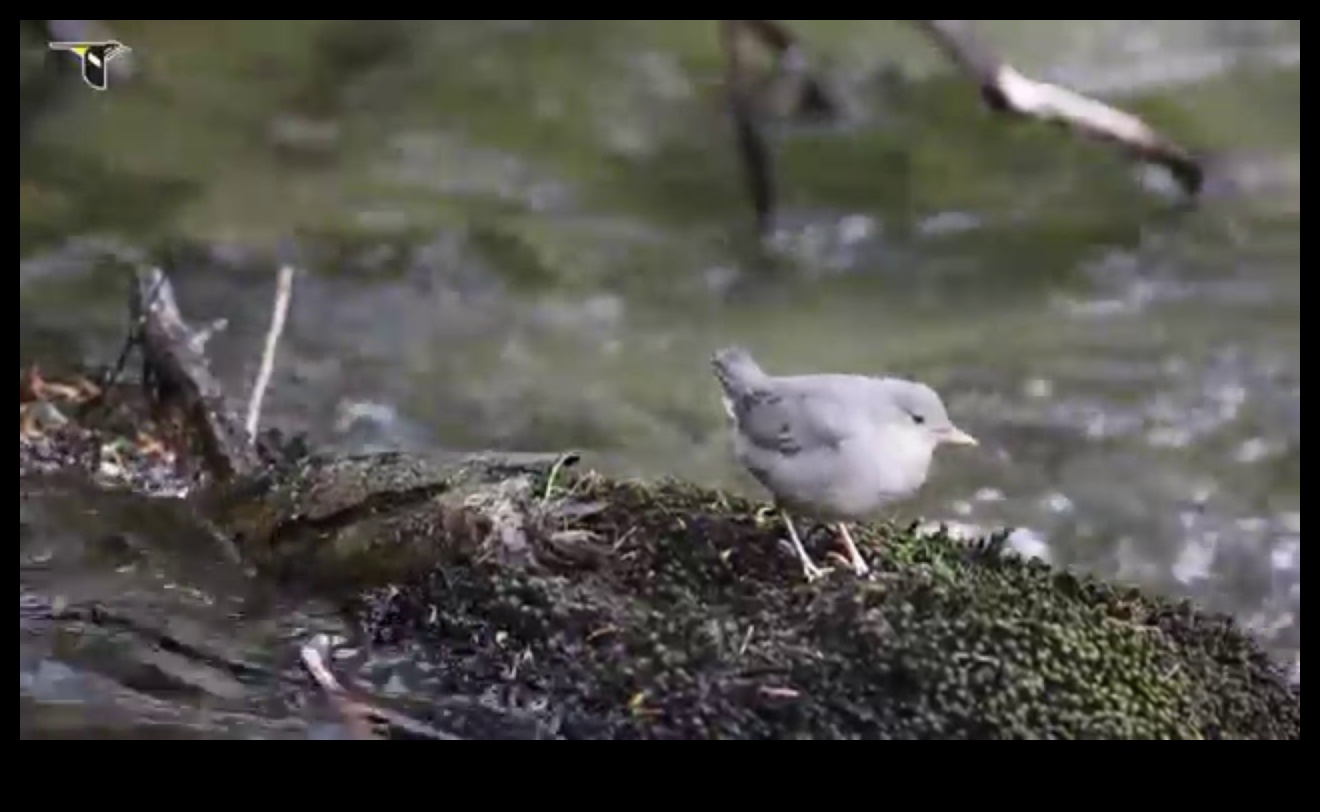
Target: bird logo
[95,58]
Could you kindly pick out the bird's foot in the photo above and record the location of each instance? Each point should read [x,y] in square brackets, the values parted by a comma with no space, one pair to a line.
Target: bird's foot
[810,569]
[813,572]
[859,566]
[854,559]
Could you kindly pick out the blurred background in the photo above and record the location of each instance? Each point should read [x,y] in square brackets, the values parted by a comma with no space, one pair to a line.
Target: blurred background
[531,234]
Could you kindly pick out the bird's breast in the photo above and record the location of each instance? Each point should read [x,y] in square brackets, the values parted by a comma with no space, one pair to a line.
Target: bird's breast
[876,470]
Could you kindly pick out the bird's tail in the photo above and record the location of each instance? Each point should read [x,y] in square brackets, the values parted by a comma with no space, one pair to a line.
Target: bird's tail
[736,370]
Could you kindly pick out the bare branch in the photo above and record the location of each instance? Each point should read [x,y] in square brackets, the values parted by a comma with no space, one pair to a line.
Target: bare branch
[283,292]
[1006,90]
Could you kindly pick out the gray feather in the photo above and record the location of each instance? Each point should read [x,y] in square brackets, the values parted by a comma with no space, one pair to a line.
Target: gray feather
[776,414]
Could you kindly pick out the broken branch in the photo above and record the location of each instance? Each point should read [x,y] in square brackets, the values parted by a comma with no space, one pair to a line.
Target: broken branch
[1008,91]
[178,373]
[1004,89]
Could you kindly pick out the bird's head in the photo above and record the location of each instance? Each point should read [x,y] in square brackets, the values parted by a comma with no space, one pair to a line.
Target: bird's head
[920,411]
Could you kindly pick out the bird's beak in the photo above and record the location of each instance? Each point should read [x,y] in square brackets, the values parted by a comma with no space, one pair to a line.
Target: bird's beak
[956,436]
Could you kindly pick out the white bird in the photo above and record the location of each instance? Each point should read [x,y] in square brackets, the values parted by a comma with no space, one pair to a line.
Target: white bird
[833,447]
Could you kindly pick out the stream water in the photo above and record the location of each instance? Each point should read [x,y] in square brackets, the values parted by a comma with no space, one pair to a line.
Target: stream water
[532,234]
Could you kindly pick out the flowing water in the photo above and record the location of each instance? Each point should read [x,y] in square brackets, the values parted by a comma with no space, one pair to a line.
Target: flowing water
[532,234]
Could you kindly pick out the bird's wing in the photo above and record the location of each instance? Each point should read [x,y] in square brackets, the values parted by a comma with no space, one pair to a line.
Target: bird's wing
[788,419]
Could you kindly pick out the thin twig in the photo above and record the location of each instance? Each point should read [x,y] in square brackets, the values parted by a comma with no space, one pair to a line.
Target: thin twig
[283,292]
[131,341]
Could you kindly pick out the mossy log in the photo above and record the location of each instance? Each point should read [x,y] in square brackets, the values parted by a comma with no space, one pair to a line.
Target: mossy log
[362,521]
[661,610]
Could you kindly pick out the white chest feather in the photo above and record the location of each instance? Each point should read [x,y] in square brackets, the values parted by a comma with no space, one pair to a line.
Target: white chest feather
[869,470]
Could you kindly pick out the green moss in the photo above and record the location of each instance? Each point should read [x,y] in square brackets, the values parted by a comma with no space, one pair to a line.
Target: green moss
[689,621]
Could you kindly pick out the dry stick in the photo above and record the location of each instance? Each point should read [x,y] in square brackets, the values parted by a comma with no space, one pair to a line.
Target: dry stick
[283,292]
[1006,90]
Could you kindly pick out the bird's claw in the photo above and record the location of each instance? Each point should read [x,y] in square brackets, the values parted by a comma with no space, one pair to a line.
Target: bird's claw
[813,572]
[810,569]
[859,567]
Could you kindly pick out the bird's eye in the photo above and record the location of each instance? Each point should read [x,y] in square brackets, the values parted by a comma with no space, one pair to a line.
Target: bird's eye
[918,419]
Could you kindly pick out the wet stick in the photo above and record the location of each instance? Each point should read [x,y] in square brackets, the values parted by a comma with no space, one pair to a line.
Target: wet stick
[362,719]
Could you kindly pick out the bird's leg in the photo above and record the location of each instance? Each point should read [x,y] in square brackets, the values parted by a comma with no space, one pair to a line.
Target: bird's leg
[809,567]
[859,564]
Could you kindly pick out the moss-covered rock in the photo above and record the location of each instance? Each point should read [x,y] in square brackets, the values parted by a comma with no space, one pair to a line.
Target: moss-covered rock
[680,617]
[606,609]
